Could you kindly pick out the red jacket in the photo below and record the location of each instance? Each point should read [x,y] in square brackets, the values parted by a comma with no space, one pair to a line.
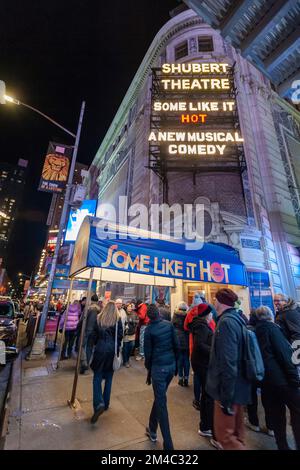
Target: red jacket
[194,312]
[142,314]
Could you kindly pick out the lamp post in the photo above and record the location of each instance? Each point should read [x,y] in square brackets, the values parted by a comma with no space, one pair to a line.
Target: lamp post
[5,98]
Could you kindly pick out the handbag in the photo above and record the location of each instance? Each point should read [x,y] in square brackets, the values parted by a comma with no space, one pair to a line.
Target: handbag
[117,362]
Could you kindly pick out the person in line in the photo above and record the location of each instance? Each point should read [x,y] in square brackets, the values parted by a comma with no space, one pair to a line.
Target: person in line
[202,340]
[87,341]
[73,314]
[164,310]
[122,312]
[104,334]
[287,316]
[161,351]
[194,312]
[183,344]
[78,331]
[225,381]
[141,310]
[281,383]
[129,333]
[252,409]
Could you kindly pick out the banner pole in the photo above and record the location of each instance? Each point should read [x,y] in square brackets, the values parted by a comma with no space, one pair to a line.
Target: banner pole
[62,223]
[71,402]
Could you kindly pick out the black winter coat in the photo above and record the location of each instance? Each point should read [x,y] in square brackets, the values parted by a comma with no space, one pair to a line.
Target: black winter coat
[202,341]
[289,321]
[225,381]
[182,335]
[160,344]
[104,352]
[277,353]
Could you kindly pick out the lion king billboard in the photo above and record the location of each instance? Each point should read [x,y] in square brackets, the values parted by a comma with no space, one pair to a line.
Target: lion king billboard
[56,168]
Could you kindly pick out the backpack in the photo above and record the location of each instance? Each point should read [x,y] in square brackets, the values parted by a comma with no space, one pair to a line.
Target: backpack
[253,365]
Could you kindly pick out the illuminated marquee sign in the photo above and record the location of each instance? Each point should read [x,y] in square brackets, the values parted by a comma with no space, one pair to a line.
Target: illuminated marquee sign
[193,112]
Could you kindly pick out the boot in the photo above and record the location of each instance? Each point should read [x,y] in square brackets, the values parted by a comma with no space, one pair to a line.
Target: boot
[180,382]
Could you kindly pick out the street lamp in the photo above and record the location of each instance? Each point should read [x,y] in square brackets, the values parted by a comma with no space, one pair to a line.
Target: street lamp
[5,98]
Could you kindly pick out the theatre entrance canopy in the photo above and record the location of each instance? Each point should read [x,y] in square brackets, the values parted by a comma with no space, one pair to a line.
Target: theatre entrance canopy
[126,254]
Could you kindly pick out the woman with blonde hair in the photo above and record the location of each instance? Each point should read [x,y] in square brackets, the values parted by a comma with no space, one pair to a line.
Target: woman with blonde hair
[108,326]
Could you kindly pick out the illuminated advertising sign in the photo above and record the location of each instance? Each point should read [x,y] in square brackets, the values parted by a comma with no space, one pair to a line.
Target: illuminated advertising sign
[88,207]
[194,115]
[56,168]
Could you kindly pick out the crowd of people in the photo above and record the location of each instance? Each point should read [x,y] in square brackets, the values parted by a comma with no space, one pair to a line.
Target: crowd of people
[225,350]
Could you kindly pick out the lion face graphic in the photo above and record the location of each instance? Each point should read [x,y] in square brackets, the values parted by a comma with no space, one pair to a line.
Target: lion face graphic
[56,167]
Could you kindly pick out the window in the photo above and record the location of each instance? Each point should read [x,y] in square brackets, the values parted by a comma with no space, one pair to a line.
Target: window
[205,44]
[181,50]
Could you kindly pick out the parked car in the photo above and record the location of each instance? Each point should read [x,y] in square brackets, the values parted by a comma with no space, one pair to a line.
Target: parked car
[9,320]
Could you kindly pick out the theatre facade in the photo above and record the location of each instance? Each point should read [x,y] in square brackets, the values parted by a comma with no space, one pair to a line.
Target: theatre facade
[201,125]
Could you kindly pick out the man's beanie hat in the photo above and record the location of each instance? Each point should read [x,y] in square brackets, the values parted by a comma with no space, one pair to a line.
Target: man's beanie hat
[226,297]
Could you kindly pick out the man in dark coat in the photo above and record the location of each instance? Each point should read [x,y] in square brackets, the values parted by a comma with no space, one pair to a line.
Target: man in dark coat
[87,342]
[202,341]
[225,381]
[287,317]
[161,349]
[183,344]
[280,386]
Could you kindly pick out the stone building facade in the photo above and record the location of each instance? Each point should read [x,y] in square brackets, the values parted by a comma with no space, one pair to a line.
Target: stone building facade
[258,214]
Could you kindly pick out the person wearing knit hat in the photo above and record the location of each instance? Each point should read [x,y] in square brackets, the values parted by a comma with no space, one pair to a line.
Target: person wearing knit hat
[202,339]
[183,341]
[192,313]
[161,354]
[226,383]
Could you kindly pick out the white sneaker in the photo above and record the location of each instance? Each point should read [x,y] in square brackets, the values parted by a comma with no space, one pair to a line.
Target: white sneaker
[270,433]
[139,358]
[216,444]
[253,428]
[207,433]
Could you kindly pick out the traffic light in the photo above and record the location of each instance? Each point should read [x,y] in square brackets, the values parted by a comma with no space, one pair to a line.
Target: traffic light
[2,92]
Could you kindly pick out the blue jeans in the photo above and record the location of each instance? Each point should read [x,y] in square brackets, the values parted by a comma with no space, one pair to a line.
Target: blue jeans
[101,398]
[128,347]
[161,378]
[197,386]
[142,337]
[183,364]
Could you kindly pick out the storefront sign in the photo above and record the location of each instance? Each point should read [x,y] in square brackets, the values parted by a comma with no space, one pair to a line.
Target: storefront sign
[213,263]
[188,99]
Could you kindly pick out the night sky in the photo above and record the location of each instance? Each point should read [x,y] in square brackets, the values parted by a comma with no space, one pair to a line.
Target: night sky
[52,56]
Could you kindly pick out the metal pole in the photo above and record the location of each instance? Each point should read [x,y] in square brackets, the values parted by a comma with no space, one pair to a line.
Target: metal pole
[62,224]
[65,322]
[72,401]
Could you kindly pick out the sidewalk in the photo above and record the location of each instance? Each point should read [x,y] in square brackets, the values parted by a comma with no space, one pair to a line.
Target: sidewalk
[41,419]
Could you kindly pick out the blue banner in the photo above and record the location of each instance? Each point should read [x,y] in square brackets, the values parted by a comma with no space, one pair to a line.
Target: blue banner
[260,289]
[77,285]
[213,263]
[62,270]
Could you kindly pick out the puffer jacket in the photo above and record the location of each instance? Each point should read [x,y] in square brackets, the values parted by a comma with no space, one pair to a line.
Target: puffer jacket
[142,314]
[73,315]
[289,321]
[192,313]
[182,335]
[202,336]
[160,344]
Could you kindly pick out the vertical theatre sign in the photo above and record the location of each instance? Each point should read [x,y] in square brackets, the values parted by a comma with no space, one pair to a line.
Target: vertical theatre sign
[194,119]
[56,168]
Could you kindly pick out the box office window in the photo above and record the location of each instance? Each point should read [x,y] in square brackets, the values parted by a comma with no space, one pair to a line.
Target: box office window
[181,50]
[205,44]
